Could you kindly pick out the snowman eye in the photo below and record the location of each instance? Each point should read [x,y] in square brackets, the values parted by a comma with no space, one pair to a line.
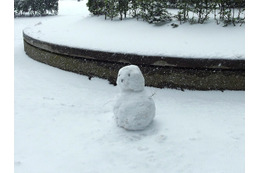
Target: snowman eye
[129,74]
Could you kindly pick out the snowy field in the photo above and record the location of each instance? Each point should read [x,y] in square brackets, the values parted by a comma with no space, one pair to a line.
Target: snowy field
[138,37]
[64,122]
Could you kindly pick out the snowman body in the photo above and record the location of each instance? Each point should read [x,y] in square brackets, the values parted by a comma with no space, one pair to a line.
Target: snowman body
[134,109]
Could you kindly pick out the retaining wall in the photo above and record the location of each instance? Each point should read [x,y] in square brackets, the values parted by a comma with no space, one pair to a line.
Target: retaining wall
[169,72]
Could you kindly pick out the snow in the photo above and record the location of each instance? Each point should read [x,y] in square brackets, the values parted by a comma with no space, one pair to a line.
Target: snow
[133,109]
[130,78]
[64,121]
[139,37]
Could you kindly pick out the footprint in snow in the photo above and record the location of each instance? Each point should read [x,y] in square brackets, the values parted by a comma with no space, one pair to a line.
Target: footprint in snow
[48,98]
[160,138]
[142,148]
[39,23]
[17,163]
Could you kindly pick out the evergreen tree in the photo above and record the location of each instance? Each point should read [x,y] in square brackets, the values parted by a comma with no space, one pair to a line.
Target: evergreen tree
[172,3]
[133,7]
[241,10]
[96,7]
[52,6]
[142,9]
[183,13]
[157,12]
[36,7]
[111,9]
[24,6]
[202,9]
[17,9]
[153,11]
[227,11]
[123,7]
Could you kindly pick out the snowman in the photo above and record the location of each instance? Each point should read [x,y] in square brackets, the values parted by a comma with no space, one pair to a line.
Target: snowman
[134,109]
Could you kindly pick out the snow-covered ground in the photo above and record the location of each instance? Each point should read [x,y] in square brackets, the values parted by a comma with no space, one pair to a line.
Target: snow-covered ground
[138,37]
[64,122]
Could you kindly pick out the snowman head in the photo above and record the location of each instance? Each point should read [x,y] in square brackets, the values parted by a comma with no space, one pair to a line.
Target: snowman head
[130,78]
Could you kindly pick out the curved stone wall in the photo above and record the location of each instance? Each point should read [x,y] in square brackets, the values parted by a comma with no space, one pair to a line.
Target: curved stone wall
[170,72]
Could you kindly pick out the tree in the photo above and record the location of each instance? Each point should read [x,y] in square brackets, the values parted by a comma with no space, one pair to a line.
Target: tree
[157,12]
[133,7]
[123,7]
[202,9]
[111,8]
[96,7]
[35,7]
[183,13]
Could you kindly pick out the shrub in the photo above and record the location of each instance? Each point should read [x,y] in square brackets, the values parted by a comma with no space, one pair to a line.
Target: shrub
[35,7]
[155,11]
[96,7]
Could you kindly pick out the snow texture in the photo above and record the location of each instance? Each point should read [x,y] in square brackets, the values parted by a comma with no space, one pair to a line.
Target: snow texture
[64,121]
[134,109]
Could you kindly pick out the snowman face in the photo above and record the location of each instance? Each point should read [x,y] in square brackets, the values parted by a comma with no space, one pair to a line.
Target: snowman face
[130,78]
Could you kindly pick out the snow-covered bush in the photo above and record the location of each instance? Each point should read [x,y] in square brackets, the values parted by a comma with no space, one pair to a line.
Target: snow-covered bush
[96,7]
[198,11]
[226,12]
[111,9]
[35,7]
[152,11]
[21,7]
[123,7]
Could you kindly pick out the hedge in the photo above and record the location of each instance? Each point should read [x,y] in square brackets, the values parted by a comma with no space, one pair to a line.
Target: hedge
[226,12]
[35,7]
